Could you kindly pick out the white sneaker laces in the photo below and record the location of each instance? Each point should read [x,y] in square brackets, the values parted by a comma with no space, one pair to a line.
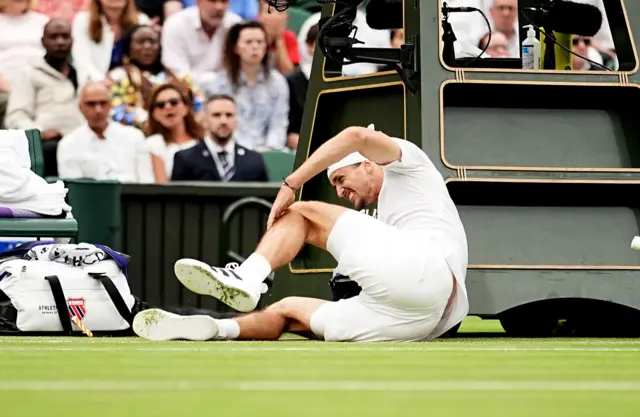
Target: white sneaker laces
[233,265]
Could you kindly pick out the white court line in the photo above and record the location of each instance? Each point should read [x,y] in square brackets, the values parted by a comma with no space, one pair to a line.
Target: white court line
[9,340]
[226,347]
[315,385]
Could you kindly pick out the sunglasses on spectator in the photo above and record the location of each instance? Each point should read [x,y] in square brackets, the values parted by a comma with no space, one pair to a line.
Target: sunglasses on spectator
[161,104]
[586,41]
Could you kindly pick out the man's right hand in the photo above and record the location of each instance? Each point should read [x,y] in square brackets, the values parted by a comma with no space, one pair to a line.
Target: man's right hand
[50,134]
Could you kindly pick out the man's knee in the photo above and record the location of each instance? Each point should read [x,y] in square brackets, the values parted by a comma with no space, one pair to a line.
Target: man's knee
[299,309]
[320,217]
[285,307]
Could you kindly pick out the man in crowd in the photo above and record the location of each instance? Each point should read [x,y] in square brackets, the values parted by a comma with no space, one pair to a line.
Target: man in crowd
[46,94]
[218,157]
[192,39]
[102,149]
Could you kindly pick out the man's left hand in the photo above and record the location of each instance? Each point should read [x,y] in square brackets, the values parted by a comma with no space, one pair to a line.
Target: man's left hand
[284,200]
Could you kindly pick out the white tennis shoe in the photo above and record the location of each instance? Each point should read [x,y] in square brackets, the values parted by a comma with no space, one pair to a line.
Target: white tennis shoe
[224,284]
[159,325]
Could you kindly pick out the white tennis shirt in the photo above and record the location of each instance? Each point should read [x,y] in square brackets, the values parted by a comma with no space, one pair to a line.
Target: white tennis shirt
[414,198]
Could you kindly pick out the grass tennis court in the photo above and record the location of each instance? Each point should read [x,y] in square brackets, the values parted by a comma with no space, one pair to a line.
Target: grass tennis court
[479,376]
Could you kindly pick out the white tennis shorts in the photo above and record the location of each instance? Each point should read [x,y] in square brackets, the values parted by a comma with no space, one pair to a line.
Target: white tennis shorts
[406,284]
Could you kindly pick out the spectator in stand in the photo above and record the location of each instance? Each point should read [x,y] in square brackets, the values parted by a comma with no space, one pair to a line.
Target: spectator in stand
[172,128]
[260,92]
[298,82]
[282,42]
[581,46]
[62,9]
[218,157]
[132,84]
[192,39]
[499,47]
[20,37]
[504,19]
[46,97]
[98,37]
[102,149]
[246,9]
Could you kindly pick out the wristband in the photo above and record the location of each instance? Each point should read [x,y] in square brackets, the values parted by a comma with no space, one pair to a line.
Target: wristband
[286,184]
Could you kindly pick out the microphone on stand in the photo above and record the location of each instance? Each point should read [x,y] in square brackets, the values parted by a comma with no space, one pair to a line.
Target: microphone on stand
[449,37]
[447,9]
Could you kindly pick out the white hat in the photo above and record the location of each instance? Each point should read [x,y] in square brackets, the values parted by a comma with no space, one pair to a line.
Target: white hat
[351,159]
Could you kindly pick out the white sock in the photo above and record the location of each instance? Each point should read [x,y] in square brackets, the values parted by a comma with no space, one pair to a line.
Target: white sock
[228,329]
[254,270]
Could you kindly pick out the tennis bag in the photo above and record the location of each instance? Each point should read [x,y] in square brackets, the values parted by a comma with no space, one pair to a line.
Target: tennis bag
[44,286]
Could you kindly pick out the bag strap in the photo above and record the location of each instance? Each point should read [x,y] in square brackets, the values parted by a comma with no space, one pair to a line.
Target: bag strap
[61,305]
[115,296]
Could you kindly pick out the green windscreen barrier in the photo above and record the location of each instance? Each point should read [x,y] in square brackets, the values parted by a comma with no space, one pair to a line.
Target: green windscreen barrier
[97,208]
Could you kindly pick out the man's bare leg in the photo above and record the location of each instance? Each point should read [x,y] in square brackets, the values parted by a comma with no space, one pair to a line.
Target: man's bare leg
[289,314]
[305,222]
[310,222]
[240,288]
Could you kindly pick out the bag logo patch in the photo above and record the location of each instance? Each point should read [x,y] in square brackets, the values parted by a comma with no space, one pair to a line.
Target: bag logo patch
[76,308]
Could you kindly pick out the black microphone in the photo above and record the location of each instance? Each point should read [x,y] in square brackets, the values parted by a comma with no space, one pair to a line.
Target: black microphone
[572,18]
[446,9]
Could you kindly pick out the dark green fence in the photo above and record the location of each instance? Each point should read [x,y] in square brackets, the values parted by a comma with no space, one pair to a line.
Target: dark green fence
[163,223]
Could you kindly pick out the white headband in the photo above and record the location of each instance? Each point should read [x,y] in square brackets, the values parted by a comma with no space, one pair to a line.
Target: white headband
[354,158]
[351,159]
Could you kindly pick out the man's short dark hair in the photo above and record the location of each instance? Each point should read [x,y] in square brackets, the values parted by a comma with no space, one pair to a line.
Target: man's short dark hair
[216,97]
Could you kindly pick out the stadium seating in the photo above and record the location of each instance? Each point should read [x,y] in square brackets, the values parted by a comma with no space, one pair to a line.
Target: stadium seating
[279,164]
[38,227]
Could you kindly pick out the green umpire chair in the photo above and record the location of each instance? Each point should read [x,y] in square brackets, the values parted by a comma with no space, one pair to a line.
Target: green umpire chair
[279,164]
[38,227]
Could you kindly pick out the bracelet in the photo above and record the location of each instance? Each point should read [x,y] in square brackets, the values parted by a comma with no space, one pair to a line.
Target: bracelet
[286,184]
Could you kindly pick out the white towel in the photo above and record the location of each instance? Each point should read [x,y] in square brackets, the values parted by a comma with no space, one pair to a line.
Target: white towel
[21,188]
[72,254]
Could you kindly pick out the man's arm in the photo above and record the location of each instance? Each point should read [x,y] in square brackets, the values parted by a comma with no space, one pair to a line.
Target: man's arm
[174,51]
[279,119]
[180,170]
[21,106]
[144,168]
[374,145]
[68,164]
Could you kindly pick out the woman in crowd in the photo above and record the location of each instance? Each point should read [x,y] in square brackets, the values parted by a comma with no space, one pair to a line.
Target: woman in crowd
[20,43]
[20,37]
[261,93]
[98,37]
[172,127]
[132,83]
